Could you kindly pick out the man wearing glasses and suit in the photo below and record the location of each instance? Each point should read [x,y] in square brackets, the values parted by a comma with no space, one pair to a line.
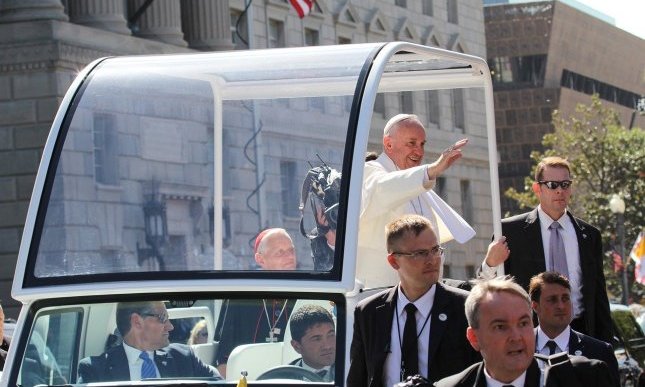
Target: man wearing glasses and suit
[418,326]
[551,238]
[145,352]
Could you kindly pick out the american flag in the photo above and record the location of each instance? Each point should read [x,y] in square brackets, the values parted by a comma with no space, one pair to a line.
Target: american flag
[303,7]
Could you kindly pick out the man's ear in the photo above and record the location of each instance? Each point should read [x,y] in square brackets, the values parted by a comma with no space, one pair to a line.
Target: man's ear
[472,338]
[536,188]
[136,321]
[387,142]
[259,259]
[534,306]
[296,346]
[392,261]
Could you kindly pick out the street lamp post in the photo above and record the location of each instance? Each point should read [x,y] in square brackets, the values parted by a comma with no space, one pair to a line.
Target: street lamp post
[617,206]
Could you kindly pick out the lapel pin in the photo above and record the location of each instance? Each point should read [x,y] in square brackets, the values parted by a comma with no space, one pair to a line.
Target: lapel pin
[443,317]
[164,363]
[578,353]
[584,236]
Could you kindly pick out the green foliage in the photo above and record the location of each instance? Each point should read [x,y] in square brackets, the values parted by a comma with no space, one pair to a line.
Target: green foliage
[606,158]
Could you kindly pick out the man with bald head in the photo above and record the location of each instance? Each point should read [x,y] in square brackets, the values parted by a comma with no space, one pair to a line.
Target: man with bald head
[398,183]
[274,250]
[247,321]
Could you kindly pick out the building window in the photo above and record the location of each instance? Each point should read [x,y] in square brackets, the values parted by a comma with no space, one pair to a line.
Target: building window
[452,12]
[466,201]
[238,30]
[344,40]
[289,183]
[605,91]
[379,105]
[446,270]
[458,117]
[106,167]
[405,102]
[276,33]
[427,8]
[440,187]
[432,102]
[401,3]
[525,70]
[470,271]
[312,37]
[317,103]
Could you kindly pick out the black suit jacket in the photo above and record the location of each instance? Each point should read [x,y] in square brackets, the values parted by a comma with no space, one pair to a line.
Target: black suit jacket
[175,360]
[449,350]
[583,345]
[578,372]
[527,259]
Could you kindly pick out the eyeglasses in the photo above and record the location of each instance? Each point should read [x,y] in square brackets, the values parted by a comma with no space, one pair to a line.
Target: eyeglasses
[565,184]
[422,255]
[162,318]
[203,334]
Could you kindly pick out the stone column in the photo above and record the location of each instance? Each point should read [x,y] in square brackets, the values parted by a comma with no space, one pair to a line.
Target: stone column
[30,10]
[207,24]
[102,14]
[161,21]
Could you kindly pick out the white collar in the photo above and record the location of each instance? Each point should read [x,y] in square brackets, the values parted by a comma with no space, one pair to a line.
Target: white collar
[546,220]
[133,354]
[423,303]
[490,382]
[306,366]
[562,340]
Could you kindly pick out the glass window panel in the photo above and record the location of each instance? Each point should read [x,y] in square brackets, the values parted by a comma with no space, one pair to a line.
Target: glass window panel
[230,335]
[154,125]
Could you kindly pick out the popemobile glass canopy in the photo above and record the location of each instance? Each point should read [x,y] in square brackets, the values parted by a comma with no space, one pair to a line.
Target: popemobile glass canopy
[162,169]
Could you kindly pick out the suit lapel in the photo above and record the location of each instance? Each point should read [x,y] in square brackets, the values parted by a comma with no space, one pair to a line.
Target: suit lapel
[576,347]
[534,238]
[383,315]
[164,363]
[532,375]
[117,364]
[440,318]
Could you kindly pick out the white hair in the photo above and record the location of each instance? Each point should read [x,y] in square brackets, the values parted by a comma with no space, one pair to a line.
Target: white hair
[394,121]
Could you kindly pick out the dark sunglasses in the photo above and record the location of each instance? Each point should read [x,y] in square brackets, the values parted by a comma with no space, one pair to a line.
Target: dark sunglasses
[162,318]
[565,184]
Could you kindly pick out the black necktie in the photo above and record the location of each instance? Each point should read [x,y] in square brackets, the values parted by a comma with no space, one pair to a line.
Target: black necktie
[552,346]
[409,351]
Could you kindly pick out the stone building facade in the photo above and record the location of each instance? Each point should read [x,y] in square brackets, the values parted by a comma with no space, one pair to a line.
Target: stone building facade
[548,55]
[44,44]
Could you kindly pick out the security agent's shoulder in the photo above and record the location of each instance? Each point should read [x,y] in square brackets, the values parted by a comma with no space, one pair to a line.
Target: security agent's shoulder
[520,218]
[178,349]
[592,341]
[466,377]
[377,298]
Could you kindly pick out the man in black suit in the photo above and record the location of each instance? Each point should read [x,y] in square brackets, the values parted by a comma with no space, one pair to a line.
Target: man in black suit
[145,352]
[501,329]
[550,295]
[551,238]
[379,351]
[313,336]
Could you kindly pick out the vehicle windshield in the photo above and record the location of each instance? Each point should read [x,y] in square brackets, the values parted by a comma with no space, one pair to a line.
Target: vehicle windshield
[214,339]
[178,165]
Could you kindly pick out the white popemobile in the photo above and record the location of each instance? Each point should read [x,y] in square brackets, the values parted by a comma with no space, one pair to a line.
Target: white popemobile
[160,171]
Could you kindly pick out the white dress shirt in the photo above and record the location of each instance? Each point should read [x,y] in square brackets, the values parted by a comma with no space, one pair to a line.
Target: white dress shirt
[570,240]
[519,382]
[135,362]
[392,366]
[562,340]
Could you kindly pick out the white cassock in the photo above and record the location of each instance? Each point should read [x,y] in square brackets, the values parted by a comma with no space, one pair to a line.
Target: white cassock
[387,194]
